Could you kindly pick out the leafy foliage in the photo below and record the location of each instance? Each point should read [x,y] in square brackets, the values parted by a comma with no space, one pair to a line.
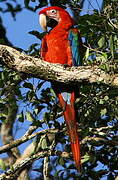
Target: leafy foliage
[97,104]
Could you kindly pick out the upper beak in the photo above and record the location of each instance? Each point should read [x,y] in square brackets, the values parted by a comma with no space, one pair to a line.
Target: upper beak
[43,21]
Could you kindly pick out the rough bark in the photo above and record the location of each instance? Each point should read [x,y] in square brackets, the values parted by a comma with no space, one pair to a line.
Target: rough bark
[25,138]
[14,173]
[54,72]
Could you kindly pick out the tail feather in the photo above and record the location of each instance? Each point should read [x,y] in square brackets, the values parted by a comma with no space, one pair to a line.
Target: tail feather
[69,115]
[76,154]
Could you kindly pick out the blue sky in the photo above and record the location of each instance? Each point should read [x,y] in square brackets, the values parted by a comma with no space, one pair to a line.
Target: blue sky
[17,31]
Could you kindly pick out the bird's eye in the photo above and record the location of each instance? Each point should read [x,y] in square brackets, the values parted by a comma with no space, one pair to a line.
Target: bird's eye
[53,11]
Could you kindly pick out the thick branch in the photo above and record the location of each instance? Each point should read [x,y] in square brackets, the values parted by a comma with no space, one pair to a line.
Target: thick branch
[99,140]
[54,72]
[25,138]
[14,172]
[46,169]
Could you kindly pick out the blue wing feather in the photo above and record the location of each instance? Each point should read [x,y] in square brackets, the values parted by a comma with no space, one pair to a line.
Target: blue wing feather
[75,44]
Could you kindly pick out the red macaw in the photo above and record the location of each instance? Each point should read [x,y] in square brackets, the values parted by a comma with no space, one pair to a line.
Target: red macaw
[62,44]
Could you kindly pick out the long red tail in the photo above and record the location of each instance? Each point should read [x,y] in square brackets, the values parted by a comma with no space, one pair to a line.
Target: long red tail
[70,118]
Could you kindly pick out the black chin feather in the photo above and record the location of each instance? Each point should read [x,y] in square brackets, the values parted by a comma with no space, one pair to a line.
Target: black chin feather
[51,22]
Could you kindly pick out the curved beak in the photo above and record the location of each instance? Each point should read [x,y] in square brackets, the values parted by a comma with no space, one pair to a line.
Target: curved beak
[43,21]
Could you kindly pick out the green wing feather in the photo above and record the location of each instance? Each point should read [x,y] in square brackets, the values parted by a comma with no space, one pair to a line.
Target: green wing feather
[75,43]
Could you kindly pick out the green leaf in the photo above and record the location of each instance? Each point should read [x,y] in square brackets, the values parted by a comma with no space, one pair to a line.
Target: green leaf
[101,42]
[103,112]
[53,93]
[28,85]
[37,34]
[2,74]
[3,119]
[105,55]
[11,168]
[1,9]
[40,85]
[58,3]
[61,161]
[87,54]
[38,109]
[106,98]
[2,106]
[20,117]
[33,47]
[30,96]
[3,115]
[13,10]
[105,67]
[110,177]
[43,3]
[16,77]
[112,45]
[43,142]
[26,2]
[85,158]
[1,83]
[29,116]
[2,165]
[101,101]
[18,92]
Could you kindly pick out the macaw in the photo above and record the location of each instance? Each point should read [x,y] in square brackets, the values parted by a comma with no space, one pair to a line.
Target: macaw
[62,44]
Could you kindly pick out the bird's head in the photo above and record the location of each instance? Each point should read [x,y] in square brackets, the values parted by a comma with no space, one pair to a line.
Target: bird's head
[52,16]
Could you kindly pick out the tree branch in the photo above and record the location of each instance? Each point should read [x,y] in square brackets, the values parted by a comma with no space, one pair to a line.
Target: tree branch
[25,138]
[29,136]
[54,72]
[99,140]
[46,169]
[14,172]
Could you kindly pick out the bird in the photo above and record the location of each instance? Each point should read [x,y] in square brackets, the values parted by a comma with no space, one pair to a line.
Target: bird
[62,44]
